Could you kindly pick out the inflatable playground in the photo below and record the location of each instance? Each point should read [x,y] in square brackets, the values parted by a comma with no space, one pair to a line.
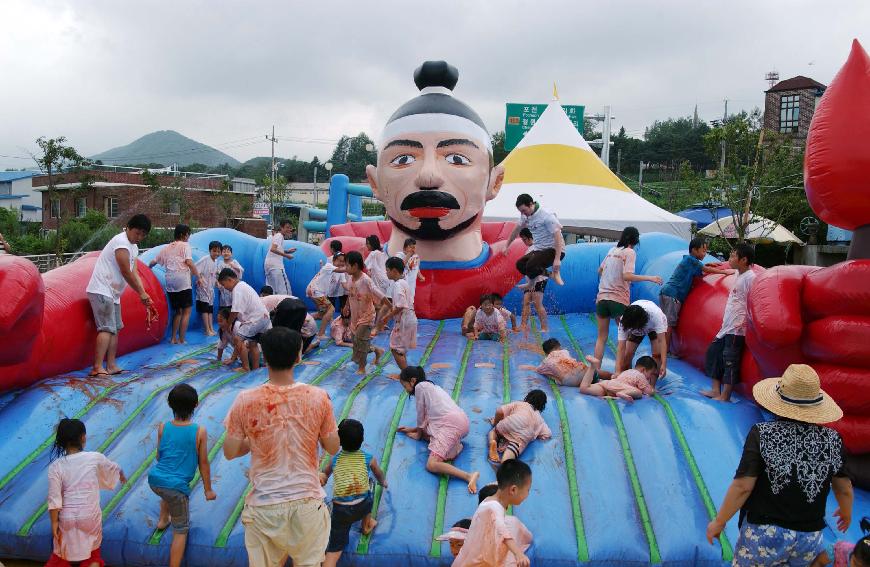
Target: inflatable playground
[617,484]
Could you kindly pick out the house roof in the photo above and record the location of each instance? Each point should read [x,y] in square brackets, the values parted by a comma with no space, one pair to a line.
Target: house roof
[796,83]
[30,208]
[16,175]
[8,197]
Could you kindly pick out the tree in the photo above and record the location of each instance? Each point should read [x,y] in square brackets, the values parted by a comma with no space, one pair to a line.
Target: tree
[172,197]
[351,157]
[56,156]
[498,151]
[230,203]
[274,194]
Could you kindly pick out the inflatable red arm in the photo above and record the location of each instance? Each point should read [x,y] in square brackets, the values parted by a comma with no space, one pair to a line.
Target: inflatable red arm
[21,309]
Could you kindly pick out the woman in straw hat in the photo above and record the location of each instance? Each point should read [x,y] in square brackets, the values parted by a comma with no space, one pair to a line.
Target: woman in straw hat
[787,468]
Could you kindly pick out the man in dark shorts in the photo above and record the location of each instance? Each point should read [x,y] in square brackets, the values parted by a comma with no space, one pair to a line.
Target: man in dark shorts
[547,247]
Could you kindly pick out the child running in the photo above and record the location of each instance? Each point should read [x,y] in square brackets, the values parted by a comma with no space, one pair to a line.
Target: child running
[563,368]
[251,314]
[351,491]
[404,334]
[489,541]
[206,267]
[182,446]
[629,385]
[489,325]
[517,424]
[75,477]
[439,421]
[363,296]
[319,288]
[177,259]
[226,261]
[675,291]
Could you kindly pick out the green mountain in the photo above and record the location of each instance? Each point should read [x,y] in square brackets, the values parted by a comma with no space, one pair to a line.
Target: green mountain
[166,147]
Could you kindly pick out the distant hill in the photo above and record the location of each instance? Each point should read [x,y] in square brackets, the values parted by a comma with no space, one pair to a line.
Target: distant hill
[166,147]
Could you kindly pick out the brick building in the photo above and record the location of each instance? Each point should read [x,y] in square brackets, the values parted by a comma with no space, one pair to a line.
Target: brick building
[121,194]
[789,105]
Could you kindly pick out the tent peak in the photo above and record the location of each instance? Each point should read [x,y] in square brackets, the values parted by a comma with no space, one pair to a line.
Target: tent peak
[555,92]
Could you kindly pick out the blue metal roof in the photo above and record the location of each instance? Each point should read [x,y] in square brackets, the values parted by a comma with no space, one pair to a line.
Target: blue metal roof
[703,215]
[16,175]
[7,197]
[30,208]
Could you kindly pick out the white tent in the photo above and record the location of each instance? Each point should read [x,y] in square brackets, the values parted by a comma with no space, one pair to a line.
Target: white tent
[555,165]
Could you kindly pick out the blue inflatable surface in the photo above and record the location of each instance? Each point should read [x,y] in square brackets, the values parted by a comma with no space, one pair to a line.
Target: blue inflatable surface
[618,484]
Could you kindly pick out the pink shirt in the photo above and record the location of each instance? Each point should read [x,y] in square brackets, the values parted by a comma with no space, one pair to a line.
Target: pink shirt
[435,408]
[630,379]
[283,425]
[74,484]
[340,332]
[493,323]
[522,423]
[362,295]
[485,541]
[612,285]
[376,266]
[173,257]
[561,366]
[270,302]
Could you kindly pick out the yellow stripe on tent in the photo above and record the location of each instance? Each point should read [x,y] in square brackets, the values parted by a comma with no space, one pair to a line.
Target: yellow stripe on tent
[557,163]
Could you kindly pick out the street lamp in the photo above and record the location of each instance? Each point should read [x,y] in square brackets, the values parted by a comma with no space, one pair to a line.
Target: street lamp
[328,167]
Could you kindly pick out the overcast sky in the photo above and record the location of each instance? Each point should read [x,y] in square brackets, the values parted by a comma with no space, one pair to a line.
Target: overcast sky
[103,73]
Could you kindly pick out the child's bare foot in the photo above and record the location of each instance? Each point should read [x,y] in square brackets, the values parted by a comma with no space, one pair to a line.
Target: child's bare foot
[369,525]
[710,394]
[557,277]
[721,398]
[245,368]
[493,450]
[595,362]
[361,371]
[210,333]
[172,341]
[379,352]
[472,482]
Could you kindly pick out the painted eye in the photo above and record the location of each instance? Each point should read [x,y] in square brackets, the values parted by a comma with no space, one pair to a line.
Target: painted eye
[457,159]
[404,159]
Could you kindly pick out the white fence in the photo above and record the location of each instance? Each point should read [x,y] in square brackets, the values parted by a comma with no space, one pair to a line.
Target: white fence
[46,262]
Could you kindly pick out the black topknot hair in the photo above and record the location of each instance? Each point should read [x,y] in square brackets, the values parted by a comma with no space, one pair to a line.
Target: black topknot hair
[436,74]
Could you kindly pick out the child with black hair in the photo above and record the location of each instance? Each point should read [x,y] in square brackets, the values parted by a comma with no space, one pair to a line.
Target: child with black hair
[363,297]
[456,535]
[563,368]
[182,446]
[629,385]
[439,421]
[75,477]
[642,318]
[177,259]
[507,314]
[227,335]
[252,315]
[340,329]
[722,361]
[337,294]
[351,489]
[533,295]
[490,541]
[206,267]
[517,424]
[489,325]
[845,554]
[319,288]
[376,263]
[412,265]
[227,261]
[404,334]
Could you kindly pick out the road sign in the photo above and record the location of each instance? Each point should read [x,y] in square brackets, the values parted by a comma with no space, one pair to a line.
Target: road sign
[260,210]
[520,117]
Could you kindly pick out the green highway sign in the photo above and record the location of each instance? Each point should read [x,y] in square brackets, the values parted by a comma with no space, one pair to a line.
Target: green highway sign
[520,118]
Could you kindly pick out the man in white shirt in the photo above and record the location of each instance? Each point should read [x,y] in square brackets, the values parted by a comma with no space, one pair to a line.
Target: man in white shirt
[642,318]
[114,270]
[276,277]
[547,247]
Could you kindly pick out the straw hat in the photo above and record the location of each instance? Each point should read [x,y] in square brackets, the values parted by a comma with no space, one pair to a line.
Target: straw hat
[798,396]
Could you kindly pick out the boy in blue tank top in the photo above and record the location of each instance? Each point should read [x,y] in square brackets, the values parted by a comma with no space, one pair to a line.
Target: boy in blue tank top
[182,446]
[351,494]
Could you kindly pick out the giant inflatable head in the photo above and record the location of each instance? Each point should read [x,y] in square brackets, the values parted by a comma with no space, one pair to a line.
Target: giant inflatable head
[434,172]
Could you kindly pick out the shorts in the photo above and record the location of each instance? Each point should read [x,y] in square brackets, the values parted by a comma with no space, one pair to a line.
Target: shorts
[637,339]
[539,287]
[252,330]
[203,307]
[722,361]
[773,545]
[180,299]
[343,517]
[179,508]
[299,528]
[55,561]
[609,308]
[488,337]
[107,313]
[322,303]
[446,443]
[362,344]
[671,308]
[575,378]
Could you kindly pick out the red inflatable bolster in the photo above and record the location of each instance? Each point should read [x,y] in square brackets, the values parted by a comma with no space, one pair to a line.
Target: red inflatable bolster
[20,309]
[848,385]
[775,305]
[773,361]
[855,430]
[842,289]
[838,340]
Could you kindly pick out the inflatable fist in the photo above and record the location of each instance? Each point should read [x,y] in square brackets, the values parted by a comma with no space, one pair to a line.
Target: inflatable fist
[21,309]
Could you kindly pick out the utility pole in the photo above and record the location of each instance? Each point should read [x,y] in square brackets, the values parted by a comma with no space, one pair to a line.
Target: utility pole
[722,159]
[605,137]
[640,178]
[618,161]
[272,191]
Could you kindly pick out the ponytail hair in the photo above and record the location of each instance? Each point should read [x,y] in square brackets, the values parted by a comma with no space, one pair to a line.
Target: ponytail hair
[68,435]
[630,237]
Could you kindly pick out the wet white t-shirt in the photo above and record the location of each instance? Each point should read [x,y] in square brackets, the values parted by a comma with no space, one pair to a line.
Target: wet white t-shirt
[275,261]
[657,321]
[106,278]
[734,318]
[247,304]
[543,226]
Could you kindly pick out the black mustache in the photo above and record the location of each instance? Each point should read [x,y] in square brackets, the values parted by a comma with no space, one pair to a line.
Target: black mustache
[429,198]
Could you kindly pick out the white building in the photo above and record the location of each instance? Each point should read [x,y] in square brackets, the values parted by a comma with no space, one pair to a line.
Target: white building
[16,192]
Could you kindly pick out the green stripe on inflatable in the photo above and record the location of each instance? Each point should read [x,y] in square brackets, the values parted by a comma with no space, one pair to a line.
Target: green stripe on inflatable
[435,550]
[364,540]
[506,374]
[7,478]
[28,525]
[571,471]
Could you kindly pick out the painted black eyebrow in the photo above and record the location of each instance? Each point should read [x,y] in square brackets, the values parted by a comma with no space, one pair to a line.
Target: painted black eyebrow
[456,142]
[409,143]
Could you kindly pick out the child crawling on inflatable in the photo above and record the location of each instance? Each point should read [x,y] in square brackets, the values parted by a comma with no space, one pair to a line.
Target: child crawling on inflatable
[564,368]
[629,385]
[517,424]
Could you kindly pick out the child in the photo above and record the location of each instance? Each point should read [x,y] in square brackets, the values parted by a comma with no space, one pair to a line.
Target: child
[489,325]
[456,535]
[641,318]
[533,295]
[75,477]
[227,334]
[521,534]
[340,330]
[226,297]
[722,362]
[252,315]
[376,263]
[506,313]
[614,294]
[845,554]
[674,292]
[517,424]
[440,421]
[629,385]
[489,540]
[562,367]
[363,296]
[309,332]
[412,265]
[404,334]
[336,294]
[177,259]
[319,288]
[206,267]
[182,446]
[351,494]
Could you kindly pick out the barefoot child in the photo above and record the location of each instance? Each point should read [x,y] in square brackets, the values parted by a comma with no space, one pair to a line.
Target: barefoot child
[75,477]
[226,261]
[506,313]
[206,267]
[251,314]
[404,334]
[439,421]
[562,367]
[337,295]
[376,263]
[319,289]
[363,296]
[227,335]
[177,259]
[521,534]
[629,385]
[182,446]
[412,265]
[340,330]
[489,540]
[642,319]
[722,362]
[533,295]
[517,424]
[489,325]
[351,494]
